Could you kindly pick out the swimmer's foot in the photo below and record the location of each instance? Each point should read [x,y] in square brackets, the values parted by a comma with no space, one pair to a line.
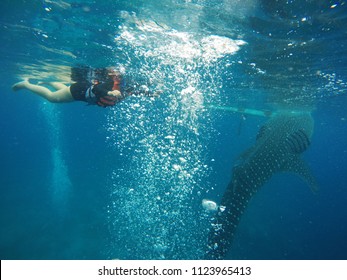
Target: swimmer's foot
[20,85]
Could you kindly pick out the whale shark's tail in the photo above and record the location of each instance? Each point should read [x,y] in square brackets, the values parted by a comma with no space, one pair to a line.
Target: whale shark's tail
[278,147]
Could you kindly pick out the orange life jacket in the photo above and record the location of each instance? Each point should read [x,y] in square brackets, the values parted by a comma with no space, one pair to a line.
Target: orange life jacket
[108,100]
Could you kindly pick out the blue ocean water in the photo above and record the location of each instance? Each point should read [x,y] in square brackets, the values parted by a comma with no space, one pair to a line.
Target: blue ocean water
[83,182]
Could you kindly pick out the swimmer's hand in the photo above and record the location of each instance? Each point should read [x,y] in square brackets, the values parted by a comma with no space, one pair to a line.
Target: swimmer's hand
[115,93]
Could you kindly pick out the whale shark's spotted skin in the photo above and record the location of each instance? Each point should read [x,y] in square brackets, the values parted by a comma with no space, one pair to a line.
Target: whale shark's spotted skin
[278,147]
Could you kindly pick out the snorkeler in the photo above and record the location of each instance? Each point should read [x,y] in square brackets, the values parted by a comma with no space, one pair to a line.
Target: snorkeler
[104,92]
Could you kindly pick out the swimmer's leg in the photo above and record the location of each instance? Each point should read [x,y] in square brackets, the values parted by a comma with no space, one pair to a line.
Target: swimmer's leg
[55,85]
[20,85]
[60,96]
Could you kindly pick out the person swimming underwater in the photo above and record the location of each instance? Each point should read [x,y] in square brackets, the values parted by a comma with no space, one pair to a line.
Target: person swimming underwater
[103,87]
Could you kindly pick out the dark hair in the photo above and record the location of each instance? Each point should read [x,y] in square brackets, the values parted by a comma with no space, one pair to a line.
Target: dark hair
[103,88]
[86,73]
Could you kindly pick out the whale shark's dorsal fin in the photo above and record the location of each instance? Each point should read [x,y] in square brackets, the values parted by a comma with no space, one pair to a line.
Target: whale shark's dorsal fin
[296,165]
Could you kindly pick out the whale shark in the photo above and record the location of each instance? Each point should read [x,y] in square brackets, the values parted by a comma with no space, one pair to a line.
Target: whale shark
[279,145]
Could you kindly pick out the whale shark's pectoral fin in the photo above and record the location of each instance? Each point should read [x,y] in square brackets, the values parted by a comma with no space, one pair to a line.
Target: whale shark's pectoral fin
[296,165]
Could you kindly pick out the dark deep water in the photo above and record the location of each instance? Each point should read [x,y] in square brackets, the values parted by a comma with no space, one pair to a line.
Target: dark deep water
[82,182]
